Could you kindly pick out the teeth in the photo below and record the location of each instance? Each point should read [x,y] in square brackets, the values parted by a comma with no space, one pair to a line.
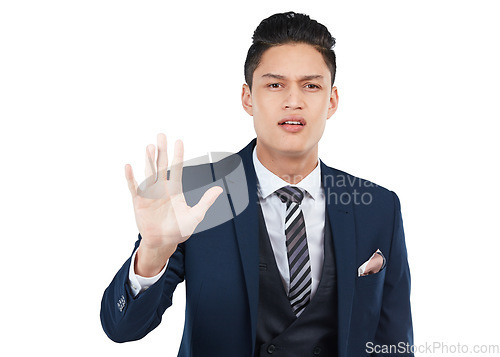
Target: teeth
[292,122]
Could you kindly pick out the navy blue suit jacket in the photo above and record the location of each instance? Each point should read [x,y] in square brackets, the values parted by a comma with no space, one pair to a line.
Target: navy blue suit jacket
[220,266]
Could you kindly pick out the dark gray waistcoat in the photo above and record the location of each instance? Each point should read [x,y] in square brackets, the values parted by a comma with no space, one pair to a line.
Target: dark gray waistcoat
[279,331]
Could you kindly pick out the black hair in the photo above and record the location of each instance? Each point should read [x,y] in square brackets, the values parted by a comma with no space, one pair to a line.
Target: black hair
[285,28]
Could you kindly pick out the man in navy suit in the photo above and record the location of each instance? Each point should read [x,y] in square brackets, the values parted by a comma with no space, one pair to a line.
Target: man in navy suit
[311,261]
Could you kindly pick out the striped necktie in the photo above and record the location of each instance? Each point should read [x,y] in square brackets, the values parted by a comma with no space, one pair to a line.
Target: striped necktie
[298,253]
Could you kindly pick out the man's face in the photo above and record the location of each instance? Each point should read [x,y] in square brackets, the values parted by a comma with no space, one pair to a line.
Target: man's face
[291,99]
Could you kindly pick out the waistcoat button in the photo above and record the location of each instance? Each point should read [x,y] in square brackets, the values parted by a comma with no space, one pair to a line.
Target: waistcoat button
[271,349]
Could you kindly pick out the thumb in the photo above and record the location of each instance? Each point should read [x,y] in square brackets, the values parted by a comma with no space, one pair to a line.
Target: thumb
[209,197]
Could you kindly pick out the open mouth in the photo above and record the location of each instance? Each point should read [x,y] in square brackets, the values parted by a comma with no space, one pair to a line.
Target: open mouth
[294,121]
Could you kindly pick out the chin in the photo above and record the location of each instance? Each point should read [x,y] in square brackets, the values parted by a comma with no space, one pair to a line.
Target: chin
[288,146]
[293,150]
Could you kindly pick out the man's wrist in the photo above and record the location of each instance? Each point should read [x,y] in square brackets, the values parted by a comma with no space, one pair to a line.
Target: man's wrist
[150,262]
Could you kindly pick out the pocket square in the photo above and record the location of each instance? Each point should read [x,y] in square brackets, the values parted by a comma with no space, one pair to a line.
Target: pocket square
[373,265]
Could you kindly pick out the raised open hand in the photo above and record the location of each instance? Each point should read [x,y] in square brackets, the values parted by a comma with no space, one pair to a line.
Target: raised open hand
[162,215]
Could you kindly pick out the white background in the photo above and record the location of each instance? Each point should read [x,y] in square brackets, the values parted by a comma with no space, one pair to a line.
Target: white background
[86,85]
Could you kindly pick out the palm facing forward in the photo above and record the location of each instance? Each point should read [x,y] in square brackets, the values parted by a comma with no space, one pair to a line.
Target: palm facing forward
[162,215]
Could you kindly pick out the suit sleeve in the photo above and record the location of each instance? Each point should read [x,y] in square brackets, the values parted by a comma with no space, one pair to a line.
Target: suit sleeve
[127,318]
[395,324]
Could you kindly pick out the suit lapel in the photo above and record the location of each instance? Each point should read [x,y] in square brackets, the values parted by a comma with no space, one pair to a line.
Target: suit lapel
[246,226]
[340,211]
[341,215]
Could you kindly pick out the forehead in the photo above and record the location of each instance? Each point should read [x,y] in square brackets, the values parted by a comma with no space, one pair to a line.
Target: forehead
[292,60]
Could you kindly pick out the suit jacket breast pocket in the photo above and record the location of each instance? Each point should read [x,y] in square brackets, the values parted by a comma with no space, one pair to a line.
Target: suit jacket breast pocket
[367,305]
[374,280]
[369,291]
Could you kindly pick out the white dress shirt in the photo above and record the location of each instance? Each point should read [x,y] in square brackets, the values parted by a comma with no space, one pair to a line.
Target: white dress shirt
[274,211]
[139,283]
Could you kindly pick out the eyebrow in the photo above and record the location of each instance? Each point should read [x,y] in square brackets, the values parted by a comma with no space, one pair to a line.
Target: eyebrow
[303,78]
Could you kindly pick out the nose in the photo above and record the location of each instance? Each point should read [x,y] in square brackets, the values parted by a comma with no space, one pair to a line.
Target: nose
[293,98]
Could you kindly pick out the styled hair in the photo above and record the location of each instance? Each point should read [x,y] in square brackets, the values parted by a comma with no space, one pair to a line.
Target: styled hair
[286,28]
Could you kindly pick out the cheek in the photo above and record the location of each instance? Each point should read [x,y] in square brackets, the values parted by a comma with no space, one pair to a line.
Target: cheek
[264,114]
[266,102]
[261,109]
[259,123]
[321,105]
[322,102]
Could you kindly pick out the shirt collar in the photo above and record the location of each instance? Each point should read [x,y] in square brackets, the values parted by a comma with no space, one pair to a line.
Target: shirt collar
[267,182]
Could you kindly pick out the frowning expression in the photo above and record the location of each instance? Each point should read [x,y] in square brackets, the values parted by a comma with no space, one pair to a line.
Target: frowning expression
[291,99]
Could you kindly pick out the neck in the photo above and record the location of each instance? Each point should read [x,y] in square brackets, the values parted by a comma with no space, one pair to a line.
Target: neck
[291,168]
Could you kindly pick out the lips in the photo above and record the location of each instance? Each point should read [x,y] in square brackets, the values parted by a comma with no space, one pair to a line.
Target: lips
[292,124]
[292,120]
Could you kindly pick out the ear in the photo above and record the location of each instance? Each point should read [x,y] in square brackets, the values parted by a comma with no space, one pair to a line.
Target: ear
[246,99]
[334,102]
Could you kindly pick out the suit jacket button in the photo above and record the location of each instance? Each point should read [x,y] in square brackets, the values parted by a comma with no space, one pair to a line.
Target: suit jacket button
[271,349]
[317,351]
[121,303]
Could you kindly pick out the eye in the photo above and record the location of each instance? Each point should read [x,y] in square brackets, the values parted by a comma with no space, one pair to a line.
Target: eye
[274,85]
[312,86]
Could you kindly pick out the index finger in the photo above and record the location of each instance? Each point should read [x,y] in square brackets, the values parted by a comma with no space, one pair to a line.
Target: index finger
[132,183]
[162,161]
[176,168]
